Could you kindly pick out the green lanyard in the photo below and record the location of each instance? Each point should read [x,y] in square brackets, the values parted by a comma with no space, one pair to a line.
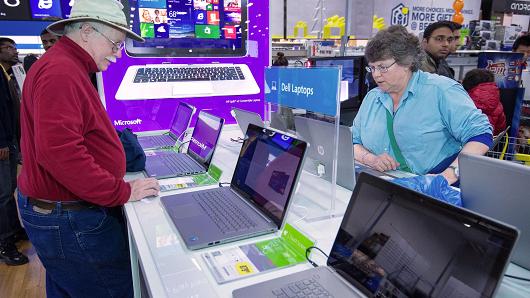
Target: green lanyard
[403,166]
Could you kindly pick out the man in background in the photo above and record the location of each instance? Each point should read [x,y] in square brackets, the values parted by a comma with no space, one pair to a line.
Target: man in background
[48,39]
[9,223]
[522,45]
[437,43]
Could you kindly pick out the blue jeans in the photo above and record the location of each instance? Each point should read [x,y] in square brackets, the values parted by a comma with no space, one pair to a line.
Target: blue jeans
[85,252]
[9,223]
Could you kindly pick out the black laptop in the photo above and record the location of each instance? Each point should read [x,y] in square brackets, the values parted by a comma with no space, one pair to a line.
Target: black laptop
[395,242]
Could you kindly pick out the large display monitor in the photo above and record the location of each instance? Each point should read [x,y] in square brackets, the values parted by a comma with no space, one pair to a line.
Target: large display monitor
[188,28]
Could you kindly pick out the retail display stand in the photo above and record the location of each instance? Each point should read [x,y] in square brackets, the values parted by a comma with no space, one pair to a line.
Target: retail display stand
[310,93]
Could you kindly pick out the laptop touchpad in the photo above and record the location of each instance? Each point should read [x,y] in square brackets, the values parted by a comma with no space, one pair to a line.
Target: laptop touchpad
[196,87]
[185,211]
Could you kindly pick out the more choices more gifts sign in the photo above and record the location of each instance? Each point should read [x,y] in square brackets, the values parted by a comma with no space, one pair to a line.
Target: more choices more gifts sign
[416,15]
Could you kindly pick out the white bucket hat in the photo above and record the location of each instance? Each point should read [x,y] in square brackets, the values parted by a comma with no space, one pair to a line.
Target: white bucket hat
[108,12]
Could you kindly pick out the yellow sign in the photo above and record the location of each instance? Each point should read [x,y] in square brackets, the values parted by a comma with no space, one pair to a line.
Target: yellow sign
[244,268]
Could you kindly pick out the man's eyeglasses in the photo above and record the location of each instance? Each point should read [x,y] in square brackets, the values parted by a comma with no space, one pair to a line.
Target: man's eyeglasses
[116,46]
[380,68]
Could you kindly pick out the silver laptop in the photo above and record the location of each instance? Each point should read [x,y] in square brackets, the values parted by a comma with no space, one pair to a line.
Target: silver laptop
[256,202]
[159,81]
[168,163]
[395,242]
[244,118]
[180,122]
[319,135]
[499,189]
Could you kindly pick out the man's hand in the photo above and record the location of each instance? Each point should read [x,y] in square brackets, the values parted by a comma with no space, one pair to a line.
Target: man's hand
[383,162]
[145,187]
[4,153]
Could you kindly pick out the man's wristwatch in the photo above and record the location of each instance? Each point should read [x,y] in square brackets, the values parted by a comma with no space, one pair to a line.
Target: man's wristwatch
[455,170]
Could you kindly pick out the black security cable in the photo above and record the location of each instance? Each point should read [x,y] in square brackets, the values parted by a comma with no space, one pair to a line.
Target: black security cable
[517,277]
[308,250]
[178,150]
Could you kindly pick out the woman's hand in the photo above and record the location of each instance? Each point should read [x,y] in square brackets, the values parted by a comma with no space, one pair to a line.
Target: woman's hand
[382,162]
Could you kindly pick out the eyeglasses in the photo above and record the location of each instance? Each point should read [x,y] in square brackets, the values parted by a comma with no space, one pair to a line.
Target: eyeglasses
[116,46]
[380,68]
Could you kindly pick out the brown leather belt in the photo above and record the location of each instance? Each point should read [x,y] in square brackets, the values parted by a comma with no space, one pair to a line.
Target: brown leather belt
[67,205]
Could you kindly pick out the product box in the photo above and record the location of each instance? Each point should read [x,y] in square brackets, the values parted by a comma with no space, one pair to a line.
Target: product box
[506,67]
[487,34]
[492,45]
[486,25]
[507,34]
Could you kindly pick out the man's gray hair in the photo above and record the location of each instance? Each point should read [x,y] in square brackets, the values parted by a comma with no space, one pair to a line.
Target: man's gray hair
[76,26]
[397,43]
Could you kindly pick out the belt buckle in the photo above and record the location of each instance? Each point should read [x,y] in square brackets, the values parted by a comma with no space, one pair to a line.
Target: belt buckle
[41,210]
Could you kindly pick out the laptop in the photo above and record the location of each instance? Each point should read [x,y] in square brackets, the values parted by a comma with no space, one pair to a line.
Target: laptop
[499,189]
[256,202]
[395,242]
[319,134]
[179,124]
[244,118]
[166,163]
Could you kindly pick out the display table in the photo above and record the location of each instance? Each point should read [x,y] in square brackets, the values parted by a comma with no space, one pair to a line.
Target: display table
[164,267]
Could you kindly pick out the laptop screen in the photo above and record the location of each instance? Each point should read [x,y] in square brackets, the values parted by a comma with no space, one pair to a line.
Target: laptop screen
[267,169]
[181,120]
[204,138]
[395,240]
[188,27]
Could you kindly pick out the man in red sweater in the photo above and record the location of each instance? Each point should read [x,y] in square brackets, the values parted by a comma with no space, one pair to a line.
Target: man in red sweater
[71,186]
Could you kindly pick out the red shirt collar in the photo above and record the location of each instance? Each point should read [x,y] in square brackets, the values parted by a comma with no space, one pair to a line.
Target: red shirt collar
[72,49]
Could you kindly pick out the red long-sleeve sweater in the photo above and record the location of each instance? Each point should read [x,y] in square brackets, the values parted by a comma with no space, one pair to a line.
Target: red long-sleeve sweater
[70,149]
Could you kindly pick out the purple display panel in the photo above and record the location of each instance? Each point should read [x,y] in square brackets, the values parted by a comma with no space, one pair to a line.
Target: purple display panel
[143,115]
[181,119]
[205,135]
[66,7]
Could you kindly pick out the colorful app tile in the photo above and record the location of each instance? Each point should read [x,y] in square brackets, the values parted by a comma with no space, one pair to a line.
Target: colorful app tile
[232,17]
[200,17]
[229,32]
[232,5]
[213,17]
[207,31]
[209,7]
[179,29]
[152,3]
[147,30]
[44,8]
[161,30]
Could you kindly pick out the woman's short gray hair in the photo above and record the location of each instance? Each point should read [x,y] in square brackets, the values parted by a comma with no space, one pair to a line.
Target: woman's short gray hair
[397,43]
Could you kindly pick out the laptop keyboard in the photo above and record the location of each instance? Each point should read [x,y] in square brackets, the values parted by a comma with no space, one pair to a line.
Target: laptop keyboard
[224,213]
[304,288]
[176,74]
[162,140]
[179,163]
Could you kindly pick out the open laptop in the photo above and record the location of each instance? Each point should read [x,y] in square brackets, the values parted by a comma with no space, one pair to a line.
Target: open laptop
[256,202]
[499,189]
[180,122]
[209,29]
[395,242]
[321,152]
[244,118]
[167,163]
